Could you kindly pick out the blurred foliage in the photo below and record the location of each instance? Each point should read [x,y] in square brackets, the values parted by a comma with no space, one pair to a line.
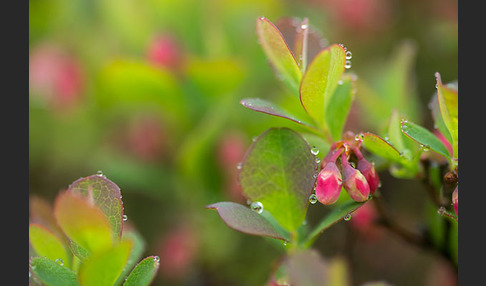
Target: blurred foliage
[162,119]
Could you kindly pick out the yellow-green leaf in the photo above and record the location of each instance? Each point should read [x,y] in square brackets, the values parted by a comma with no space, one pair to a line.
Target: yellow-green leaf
[321,80]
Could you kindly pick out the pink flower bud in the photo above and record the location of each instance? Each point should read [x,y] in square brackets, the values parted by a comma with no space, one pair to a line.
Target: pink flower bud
[370,174]
[354,182]
[329,183]
[455,201]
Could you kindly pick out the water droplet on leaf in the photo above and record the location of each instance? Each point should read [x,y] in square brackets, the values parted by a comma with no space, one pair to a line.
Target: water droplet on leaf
[100,173]
[314,150]
[313,199]
[347,217]
[239,166]
[347,64]
[157,259]
[59,261]
[125,217]
[257,207]
[349,55]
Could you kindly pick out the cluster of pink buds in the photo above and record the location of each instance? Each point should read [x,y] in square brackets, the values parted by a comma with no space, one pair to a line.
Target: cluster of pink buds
[345,166]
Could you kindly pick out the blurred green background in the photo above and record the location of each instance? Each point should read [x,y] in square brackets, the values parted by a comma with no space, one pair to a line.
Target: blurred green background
[148,92]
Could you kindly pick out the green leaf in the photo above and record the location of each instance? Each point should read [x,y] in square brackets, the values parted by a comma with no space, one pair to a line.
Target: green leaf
[339,106]
[449,109]
[83,223]
[138,247]
[278,171]
[438,121]
[382,148]
[278,53]
[243,219]
[338,212]
[143,273]
[51,273]
[395,136]
[424,137]
[46,244]
[104,194]
[103,267]
[267,107]
[321,80]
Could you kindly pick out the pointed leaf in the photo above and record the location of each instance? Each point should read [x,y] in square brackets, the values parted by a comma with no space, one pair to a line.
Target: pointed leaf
[321,80]
[438,121]
[339,106]
[104,267]
[104,194]
[51,273]
[382,148]
[291,29]
[46,244]
[82,222]
[267,107]
[424,137]
[143,273]
[278,53]
[449,108]
[243,219]
[337,213]
[278,171]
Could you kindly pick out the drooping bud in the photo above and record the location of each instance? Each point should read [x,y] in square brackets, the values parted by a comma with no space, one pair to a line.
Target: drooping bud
[455,201]
[354,182]
[329,184]
[368,170]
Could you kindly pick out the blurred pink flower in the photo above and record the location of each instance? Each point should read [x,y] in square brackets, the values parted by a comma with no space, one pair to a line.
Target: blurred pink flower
[363,221]
[146,138]
[55,76]
[164,51]
[177,251]
[230,151]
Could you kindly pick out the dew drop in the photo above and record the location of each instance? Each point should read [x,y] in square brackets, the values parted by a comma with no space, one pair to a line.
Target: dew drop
[257,207]
[254,138]
[59,261]
[315,176]
[285,243]
[318,160]
[125,217]
[349,55]
[239,166]
[157,259]
[358,137]
[425,148]
[314,150]
[347,64]
[347,217]
[313,199]
[100,173]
